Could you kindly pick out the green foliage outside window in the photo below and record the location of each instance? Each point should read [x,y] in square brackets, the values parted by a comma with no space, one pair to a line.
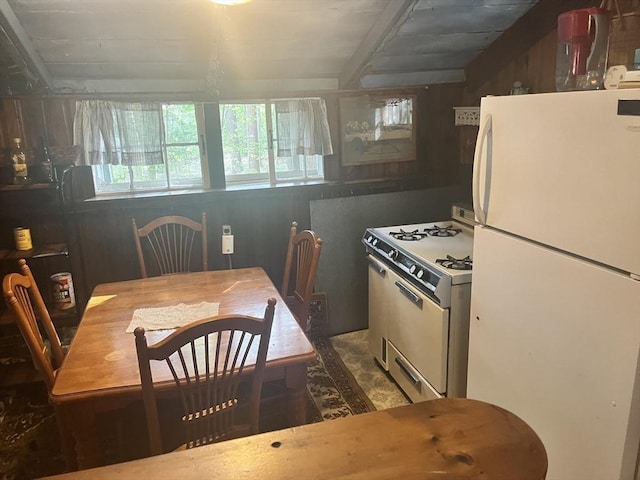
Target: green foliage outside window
[245,139]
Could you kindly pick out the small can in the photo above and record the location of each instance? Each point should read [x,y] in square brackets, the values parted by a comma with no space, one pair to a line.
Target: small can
[63,294]
[23,238]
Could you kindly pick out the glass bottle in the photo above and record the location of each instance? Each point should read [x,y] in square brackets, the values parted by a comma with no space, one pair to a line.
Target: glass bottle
[46,167]
[19,162]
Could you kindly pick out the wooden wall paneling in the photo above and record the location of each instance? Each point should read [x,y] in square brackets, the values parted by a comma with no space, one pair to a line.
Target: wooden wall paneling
[540,75]
[6,119]
[59,113]
[624,37]
[536,71]
[106,248]
[12,124]
[216,209]
[439,137]
[260,225]
[468,136]
[33,126]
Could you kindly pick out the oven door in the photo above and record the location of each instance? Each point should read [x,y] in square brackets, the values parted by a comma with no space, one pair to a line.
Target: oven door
[379,309]
[419,329]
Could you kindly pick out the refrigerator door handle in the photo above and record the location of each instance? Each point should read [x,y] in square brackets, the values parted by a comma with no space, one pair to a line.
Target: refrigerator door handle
[483,134]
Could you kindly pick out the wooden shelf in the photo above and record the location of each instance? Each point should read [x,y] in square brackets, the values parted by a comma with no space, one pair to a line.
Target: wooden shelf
[29,186]
[51,250]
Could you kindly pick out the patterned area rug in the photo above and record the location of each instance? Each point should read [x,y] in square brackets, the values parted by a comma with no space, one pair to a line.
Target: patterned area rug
[29,442]
[333,390]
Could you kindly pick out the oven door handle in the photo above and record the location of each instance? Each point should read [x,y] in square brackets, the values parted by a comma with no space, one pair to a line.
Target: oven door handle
[407,371]
[377,267]
[410,295]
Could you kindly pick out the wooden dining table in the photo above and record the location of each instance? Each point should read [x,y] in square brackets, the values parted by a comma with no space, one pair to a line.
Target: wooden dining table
[449,438]
[100,371]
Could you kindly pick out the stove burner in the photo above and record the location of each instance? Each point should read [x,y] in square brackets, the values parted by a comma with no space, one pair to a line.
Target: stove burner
[447,231]
[408,236]
[456,264]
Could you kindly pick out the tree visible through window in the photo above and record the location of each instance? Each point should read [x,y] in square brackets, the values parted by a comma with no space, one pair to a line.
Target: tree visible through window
[245,140]
[276,141]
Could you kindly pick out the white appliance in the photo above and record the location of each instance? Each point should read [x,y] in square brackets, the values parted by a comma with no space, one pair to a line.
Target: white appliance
[555,304]
[419,293]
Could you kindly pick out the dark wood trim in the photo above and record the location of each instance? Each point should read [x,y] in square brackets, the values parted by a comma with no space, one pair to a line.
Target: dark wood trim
[517,39]
[384,24]
[20,47]
[213,145]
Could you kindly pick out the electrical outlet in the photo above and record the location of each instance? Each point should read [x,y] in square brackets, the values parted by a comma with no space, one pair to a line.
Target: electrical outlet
[227,240]
[227,244]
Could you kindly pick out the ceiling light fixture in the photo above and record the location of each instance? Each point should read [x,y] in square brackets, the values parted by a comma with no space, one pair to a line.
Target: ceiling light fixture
[231,2]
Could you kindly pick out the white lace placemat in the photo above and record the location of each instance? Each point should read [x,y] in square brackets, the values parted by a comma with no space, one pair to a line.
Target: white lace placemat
[173,316]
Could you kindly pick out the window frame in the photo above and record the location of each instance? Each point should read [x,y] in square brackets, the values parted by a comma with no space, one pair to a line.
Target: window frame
[199,143]
[209,134]
[271,176]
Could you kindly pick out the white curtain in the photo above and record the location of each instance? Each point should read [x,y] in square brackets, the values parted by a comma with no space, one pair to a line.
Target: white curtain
[302,127]
[119,132]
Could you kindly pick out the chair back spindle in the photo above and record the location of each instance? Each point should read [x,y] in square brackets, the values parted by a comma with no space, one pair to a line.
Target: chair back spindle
[167,243]
[214,364]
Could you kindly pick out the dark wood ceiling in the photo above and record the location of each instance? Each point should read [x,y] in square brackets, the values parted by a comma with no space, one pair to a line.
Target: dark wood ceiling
[194,46]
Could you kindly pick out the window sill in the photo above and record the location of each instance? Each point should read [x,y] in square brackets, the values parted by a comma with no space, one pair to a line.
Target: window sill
[199,191]
[315,188]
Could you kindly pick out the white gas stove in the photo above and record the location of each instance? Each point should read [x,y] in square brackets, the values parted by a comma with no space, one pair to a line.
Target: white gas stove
[434,256]
[419,301]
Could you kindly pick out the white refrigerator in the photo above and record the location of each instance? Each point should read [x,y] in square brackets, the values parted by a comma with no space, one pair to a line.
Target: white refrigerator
[555,303]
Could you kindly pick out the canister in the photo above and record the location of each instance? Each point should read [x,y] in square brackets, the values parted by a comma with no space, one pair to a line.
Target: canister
[63,294]
[23,238]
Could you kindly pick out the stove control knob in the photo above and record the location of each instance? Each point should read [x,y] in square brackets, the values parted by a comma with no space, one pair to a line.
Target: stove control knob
[420,273]
[392,254]
[412,269]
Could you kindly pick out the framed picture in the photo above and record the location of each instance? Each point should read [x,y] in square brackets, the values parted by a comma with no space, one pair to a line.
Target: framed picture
[377,129]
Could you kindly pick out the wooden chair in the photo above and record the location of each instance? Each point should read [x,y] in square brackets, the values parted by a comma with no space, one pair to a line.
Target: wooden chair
[24,299]
[301,265]
[169,241]
[208,382]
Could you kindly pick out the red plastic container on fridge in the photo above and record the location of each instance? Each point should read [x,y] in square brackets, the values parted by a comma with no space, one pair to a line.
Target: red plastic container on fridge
[583,40]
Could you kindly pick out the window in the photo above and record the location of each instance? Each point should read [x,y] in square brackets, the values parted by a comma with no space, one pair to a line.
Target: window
[182,165]
[135,147]
[274,141]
